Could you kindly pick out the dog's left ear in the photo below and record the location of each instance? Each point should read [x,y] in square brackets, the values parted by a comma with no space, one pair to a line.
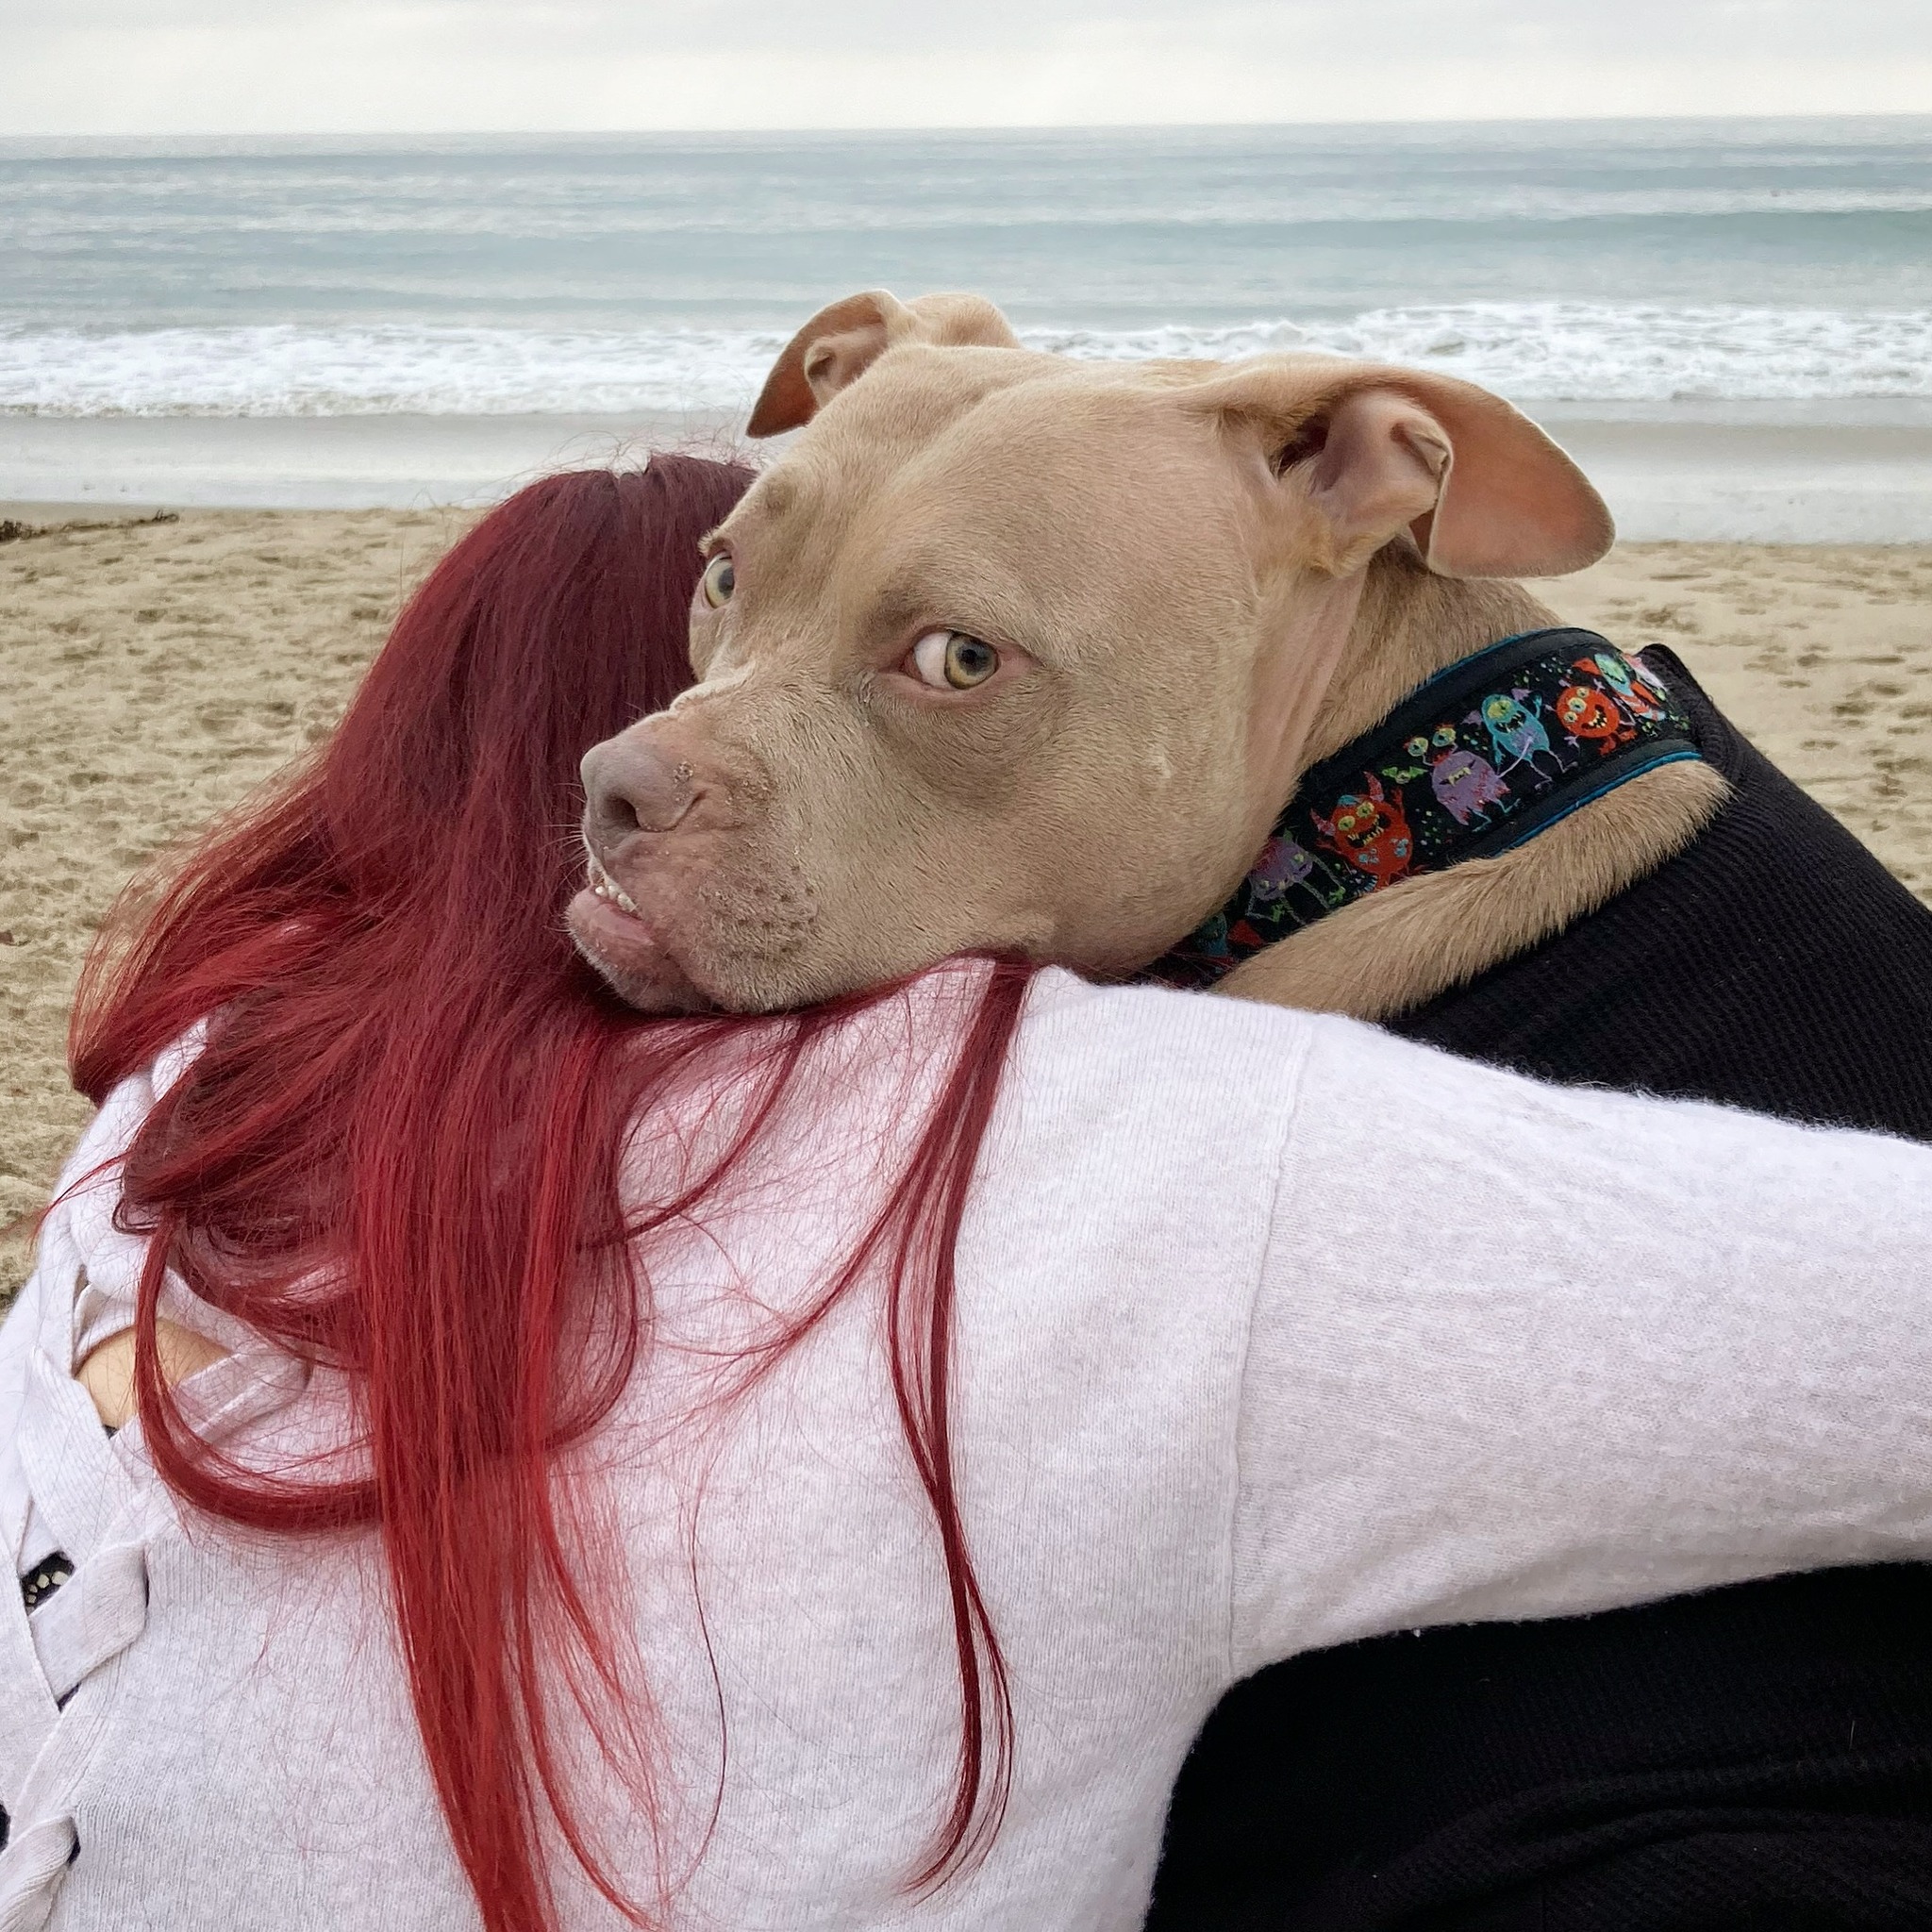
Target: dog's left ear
[839,343]
[1366,451]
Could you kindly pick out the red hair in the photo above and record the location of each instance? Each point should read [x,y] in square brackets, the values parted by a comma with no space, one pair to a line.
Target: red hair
[415,1093]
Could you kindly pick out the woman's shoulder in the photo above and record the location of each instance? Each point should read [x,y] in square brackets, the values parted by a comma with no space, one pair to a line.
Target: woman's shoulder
[123,1110]
[82,1244]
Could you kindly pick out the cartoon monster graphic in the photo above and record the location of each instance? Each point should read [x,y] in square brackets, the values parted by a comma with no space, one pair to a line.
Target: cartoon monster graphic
[1418,749]
[1623,682]
[1286,864]
[1588,716]
[1465,783]
[1516,730]
[1371,832]
[1646,674]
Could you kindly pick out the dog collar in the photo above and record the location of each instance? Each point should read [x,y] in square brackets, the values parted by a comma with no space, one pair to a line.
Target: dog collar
[1489,752]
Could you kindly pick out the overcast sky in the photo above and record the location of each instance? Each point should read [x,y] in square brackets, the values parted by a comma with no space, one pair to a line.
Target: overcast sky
[261,66]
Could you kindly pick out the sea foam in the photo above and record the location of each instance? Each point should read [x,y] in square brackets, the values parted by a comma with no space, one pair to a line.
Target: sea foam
[1532,351]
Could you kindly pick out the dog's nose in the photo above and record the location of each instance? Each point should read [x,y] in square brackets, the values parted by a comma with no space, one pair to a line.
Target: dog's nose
[630,786]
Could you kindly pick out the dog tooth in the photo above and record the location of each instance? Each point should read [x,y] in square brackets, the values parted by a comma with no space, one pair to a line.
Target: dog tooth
[605,887]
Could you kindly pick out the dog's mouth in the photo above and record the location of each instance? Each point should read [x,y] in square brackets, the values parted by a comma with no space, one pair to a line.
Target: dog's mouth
[600,882]
[629,951]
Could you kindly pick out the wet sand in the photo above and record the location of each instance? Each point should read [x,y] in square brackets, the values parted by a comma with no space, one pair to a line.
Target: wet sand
[157,673]
[1770,472]
[396,461]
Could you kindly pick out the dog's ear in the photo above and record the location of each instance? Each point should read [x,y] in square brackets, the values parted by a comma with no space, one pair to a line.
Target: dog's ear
[1372,451]
[836,347]
[839,343]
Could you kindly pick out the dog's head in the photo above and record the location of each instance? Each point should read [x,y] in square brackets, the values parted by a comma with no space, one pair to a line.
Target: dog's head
[1010,651]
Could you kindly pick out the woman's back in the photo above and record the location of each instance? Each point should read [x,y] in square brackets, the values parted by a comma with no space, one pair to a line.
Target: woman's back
[1271,1332]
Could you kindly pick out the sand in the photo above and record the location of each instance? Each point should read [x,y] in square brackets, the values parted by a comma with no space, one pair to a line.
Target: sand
[1822,653]
[155,673]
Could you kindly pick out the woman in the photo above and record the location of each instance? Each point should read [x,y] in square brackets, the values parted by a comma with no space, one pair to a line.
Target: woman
[575,1470]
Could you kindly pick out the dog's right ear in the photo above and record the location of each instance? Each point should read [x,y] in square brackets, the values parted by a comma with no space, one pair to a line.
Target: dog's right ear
[1366,451]
[839,343]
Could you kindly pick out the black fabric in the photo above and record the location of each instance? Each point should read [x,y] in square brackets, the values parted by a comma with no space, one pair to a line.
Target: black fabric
[1753,1758]
[38,1584]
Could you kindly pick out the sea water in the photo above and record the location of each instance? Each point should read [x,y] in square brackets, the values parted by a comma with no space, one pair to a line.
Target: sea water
[1617,261]
[1729,266]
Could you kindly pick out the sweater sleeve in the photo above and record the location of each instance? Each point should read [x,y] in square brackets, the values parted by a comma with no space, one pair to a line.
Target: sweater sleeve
[1520,1351]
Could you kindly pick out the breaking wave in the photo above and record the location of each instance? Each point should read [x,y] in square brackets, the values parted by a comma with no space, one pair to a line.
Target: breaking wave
[1534,351]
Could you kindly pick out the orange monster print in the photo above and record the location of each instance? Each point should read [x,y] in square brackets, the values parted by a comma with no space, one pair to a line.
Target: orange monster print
[1371,832]
[1588,716]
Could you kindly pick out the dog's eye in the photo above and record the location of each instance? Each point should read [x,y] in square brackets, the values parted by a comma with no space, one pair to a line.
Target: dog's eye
[951,660]
[718,582]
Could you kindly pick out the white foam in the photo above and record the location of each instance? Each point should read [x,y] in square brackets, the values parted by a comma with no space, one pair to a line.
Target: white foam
[289,370]
[1534,351]
[1588,352]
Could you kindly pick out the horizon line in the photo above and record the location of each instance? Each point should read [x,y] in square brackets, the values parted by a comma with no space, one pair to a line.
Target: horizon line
[930,128]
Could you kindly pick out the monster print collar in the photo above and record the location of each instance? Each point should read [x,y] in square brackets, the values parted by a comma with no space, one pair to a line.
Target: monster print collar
[1486,755]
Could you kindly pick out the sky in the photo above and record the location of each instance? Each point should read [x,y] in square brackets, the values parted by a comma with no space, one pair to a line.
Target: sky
[372,66]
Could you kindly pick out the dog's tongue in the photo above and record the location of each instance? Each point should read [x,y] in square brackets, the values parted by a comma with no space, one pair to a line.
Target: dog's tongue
[632,958]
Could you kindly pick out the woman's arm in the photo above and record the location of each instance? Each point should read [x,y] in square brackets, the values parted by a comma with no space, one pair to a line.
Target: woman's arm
[1521,1350]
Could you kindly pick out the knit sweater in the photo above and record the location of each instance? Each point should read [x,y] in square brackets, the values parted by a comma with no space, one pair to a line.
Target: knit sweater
[1757,1756]
[1273,1332]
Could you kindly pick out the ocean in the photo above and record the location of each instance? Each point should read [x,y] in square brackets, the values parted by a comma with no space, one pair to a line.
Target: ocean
[1616,269]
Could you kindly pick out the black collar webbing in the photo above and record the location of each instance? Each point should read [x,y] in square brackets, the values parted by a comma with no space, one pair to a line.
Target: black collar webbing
[1489,752]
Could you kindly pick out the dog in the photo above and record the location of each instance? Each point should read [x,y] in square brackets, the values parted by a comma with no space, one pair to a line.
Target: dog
[1223,674]
[1164,662]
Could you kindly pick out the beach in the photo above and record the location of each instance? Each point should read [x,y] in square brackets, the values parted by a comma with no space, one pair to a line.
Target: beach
[159,673]
[315,358]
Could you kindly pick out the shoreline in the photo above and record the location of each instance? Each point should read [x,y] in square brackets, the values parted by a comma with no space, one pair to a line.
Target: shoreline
[1768,472]
[113,463]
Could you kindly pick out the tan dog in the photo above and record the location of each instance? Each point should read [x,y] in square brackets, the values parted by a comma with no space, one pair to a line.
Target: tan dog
[1010,651]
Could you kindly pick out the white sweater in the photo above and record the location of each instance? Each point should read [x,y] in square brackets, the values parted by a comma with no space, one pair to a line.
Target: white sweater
[1273,1332]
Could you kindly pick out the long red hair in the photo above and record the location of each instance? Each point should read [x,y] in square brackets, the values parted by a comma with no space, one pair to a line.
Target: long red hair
[415,1095]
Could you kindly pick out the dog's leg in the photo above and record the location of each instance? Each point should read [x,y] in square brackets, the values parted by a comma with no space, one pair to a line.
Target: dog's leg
[1397,948]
